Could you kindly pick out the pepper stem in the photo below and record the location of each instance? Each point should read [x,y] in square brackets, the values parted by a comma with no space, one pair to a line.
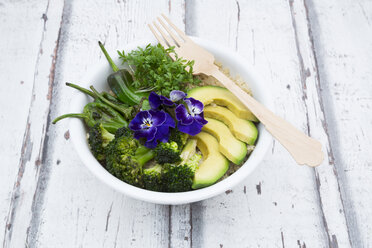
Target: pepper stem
[100,97]
[67,116]
[86,91]
[113,66]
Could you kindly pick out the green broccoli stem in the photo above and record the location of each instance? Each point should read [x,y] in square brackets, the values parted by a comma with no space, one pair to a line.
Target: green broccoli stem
[67,116]
[145,157]
[111,62]
[141,150]
[86,91]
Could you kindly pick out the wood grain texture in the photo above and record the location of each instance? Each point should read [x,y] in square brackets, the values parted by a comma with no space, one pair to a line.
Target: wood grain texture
[75,203]
[304,149]
[344,58]
[313,55]
[180,226]
[30,50]
[326,179]
[278,204]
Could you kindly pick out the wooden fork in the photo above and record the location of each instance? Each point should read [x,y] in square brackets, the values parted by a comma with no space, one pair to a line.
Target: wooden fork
[304,150]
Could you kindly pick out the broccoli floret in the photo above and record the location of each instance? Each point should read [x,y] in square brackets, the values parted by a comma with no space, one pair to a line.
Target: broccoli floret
[167,153]
[179,177]
[152,178]
[98,139]
[178,137]
[193,162]
[125,158]
[123,131]
[170,152]
[173,177]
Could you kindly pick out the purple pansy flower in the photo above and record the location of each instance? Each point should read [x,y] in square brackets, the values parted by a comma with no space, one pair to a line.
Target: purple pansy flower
[176,95]
[190,119]
[153,126]
[156,100]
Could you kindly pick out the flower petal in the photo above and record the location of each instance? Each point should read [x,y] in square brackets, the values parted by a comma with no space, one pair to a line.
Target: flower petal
[148,134]
[138,120]
[166,101]
[163,134]
[182,115]
[169,122]
[176,95]
[151,144]
[196,107]
[154,100]
[200,118]
[192,129]
[157,117]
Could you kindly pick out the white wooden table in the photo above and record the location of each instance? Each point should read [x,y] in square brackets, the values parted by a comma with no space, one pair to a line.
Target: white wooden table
[314,55]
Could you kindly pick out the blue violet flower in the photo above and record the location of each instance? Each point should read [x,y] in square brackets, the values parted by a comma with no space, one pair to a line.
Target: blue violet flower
[156,101]
[190,120]
[176,95]
[153,125]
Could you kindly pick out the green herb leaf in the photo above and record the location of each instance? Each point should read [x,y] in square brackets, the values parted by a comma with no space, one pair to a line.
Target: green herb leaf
[154,69]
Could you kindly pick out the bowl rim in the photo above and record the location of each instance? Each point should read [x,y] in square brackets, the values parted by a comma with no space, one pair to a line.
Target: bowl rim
[230,182]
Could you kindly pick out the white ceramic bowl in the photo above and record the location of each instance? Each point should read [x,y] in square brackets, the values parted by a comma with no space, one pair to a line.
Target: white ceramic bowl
[97,76]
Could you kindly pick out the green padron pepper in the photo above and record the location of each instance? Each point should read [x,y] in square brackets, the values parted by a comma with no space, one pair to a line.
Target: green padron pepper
[120,82]
[97,112]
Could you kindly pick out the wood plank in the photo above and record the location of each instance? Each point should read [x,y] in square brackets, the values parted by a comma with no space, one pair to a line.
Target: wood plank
[180,231]
[265,206]
[75,203]
[279,205]
[326,179]
[342,36]
[27,60]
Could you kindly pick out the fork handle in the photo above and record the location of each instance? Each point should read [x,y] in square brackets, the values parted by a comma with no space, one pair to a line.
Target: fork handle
[304,149]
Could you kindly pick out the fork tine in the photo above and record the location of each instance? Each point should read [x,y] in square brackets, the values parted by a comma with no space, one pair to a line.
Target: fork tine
[165,37]
[174,36]
[182,34]
[161,41]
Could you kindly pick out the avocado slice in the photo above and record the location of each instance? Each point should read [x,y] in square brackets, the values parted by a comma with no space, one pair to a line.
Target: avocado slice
[214,164]
[222,96]
[233,149]
[243,130]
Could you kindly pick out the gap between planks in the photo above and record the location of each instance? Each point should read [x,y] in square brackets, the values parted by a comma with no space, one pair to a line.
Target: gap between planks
[41,178]
[27,146]
[305,73]
[26,150]
[45,170]
[187,10]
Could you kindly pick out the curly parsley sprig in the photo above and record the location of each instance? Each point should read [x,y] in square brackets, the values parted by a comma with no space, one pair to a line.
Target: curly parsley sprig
[156,71]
